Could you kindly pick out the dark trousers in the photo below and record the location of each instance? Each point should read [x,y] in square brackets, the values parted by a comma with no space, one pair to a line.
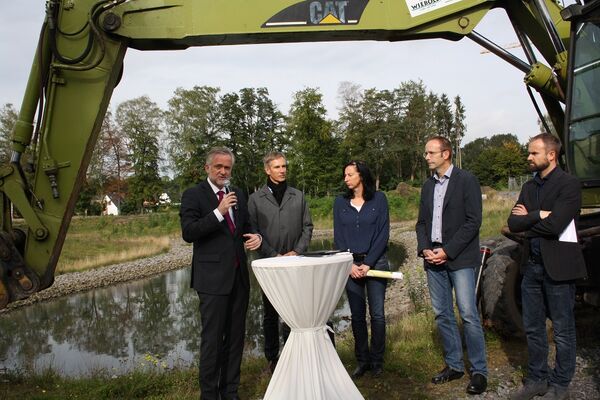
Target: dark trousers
[223,320]
[358,291]
[544,298]
[271,330]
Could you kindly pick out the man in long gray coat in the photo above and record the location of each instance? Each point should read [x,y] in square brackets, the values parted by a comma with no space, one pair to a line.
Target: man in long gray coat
[280,214]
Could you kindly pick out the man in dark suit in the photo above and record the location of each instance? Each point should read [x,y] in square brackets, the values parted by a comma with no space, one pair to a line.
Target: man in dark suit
[546,211]
[448,240]
[215,219]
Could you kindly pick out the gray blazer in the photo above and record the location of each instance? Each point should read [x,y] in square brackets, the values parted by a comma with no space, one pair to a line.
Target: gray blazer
[284,227]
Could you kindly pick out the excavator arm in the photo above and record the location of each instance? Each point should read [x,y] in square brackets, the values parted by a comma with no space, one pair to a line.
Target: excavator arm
[79,60]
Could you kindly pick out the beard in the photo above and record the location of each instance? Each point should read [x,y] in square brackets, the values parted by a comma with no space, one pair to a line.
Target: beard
[539,167]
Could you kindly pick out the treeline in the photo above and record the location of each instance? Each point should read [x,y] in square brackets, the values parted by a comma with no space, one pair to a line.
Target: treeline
[144,151]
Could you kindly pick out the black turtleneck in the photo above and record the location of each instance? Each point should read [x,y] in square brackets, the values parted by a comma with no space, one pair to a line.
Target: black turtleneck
[278,189]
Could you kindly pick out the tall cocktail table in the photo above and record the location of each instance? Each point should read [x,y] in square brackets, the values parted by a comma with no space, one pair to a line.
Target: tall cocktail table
[305,292]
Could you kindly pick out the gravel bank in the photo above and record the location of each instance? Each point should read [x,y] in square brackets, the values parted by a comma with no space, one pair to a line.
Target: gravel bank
[178,256]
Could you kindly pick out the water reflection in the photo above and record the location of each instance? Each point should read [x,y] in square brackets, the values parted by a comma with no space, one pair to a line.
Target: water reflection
[147,324]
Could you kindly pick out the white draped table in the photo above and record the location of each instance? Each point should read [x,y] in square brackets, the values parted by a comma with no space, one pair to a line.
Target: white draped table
[305,292]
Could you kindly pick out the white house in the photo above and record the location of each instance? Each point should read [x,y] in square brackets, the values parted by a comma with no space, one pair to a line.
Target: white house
[110,208]
[164,199]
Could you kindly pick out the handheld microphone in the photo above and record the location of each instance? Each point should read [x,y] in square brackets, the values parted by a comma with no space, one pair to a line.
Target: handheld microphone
[227,190]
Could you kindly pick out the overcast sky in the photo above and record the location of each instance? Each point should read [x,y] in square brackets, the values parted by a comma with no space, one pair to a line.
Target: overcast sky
[492,90]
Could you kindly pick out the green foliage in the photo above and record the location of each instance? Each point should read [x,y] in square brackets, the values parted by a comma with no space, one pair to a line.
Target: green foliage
[252,126]
[191,124]
[159,223]
[403,208]
[443,116]
[321,207]
[458,125]
[140,120]
[315,148]
[8,118]
[495,159]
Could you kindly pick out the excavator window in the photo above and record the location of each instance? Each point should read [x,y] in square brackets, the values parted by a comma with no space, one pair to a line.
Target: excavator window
[584,115]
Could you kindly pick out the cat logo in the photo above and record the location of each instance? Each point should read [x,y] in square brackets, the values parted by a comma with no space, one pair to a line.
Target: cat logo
[319,12]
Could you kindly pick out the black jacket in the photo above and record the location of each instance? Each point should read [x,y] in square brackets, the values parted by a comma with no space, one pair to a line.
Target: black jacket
[215,248]
[561,194]
[461,219]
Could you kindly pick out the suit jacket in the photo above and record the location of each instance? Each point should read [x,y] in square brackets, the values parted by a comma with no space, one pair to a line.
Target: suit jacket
[284,227]
[215,248]
[461,219]
[561,194]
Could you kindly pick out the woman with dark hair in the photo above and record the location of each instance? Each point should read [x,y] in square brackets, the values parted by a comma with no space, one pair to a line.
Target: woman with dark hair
[361,225]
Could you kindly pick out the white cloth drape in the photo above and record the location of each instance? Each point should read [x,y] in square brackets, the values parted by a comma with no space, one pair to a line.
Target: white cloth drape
[305,292]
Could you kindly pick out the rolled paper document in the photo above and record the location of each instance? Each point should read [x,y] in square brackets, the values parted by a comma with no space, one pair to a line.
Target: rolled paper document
[385,274]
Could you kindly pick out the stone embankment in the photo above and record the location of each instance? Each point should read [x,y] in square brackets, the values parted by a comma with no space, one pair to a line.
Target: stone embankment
[178,256]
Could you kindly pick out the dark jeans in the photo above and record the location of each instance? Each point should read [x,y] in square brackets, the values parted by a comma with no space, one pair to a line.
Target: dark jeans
[375,293]
[271,330]
[542,297]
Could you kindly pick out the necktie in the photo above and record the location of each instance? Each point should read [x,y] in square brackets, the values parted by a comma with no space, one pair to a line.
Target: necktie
[227,217]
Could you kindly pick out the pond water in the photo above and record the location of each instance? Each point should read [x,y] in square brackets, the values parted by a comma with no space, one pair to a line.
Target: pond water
[147,324]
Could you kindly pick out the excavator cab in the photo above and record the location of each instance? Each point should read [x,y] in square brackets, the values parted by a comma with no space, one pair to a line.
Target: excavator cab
[583,99]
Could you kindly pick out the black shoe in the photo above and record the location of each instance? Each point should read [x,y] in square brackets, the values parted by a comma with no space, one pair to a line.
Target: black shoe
[377,371]
[447,375]
[360,371]
[477,385]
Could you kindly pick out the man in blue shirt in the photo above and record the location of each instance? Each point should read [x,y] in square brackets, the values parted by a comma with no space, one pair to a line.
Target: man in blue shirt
[448,240]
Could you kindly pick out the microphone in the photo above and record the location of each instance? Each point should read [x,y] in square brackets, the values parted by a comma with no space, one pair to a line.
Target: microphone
[226,184]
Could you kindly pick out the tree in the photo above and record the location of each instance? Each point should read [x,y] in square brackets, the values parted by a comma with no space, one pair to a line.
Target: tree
[443,116]
[457,132]
[417,124]
[8,119]
[140,121]
[496,159]
[314,157]
[252,126]
[192,129]
[367,131]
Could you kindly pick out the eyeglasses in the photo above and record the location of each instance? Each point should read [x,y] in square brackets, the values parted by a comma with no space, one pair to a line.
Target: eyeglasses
[430,153]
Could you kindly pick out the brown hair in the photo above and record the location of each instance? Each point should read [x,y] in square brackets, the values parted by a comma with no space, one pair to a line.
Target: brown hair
[445,144]
[273,155]
[551,142]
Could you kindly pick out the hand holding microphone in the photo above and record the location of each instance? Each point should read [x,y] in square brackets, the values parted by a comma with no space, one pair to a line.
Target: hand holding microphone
[228,191]
[229,199]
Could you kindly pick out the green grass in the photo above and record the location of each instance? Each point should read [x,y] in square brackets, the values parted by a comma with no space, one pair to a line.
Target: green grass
[96,241]
[495,214]
[402,208]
